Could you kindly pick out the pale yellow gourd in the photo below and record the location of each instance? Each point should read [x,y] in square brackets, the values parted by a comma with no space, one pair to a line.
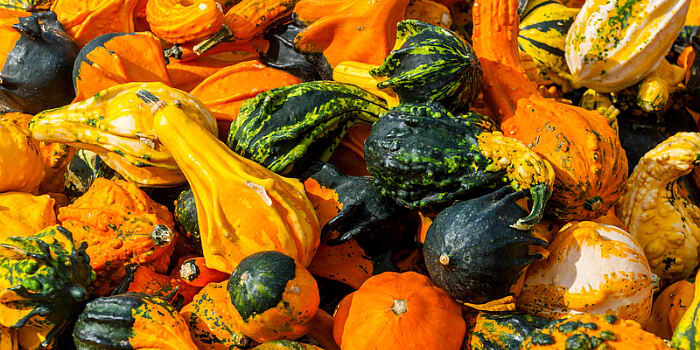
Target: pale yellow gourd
[118,126]
[657,214]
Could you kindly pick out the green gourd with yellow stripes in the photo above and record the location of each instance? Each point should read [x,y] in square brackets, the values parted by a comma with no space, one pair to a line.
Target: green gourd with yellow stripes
[285,128]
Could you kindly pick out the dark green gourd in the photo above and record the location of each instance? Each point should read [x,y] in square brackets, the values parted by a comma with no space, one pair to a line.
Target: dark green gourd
[286,127]
[36,74]
[185,215]
[132,321]
[693,84]
[430,63]
[422,155]
[471,251]
[363,209]
[45,281]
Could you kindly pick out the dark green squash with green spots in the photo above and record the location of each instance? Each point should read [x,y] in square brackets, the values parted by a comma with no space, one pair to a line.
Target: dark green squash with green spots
[286,127]
[131,321]
[466,244]
[422,155]
[186,217]
[430,63]
[35,64]
[45,282]
[272,297]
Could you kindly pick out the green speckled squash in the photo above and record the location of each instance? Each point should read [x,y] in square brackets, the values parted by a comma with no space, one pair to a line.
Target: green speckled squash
[430,63]
[465,247]
[422,155]
[503,331]
[272,297]
[44,283]
[186,217]
[131,321]
[593,331]
[210,322]
[285,127]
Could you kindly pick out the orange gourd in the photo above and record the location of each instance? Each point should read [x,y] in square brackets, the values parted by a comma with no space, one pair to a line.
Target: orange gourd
[177,21]
[399,311]
[225,91]
[121,226]
[589,162]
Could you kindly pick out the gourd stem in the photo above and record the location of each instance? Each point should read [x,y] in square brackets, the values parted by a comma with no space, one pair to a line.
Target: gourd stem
[539,194]
[221,36]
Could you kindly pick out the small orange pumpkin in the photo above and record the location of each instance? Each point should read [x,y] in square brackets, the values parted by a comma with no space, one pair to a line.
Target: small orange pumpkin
[399,311]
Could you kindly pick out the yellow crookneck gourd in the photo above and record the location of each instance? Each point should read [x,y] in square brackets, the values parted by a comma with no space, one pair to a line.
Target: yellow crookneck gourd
[118,126]
[242,207]
[662,220]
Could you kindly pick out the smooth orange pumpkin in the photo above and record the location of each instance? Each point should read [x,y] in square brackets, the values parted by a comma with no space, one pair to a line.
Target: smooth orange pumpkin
[399,311]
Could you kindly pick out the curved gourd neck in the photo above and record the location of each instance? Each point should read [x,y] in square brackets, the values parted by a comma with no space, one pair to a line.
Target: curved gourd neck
[495,42]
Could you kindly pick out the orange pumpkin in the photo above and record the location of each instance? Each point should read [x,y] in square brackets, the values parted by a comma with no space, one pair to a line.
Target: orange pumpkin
[399,311]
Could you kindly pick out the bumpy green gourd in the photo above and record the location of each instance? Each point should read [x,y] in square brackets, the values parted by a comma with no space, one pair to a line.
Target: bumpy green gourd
[430,63]
[45,279]
[283,128]
[422,155]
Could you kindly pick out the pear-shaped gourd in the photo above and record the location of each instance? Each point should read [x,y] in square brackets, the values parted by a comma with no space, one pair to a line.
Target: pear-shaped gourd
[242,207]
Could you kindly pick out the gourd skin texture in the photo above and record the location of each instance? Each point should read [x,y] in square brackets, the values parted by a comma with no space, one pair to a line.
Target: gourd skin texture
[286,127]
[285,345]
[686,335]
[210,321]
[465,245]
[614,44]
[430,63]
[593,331]
[132,321]
[591,268]
[86,20]
[121,225]
[242,207]
[542,35]
[21,164]
[36,58]
[421,154]
[177,21]
[24,214]
[46,277]
[669,307]
[504,331]
[393,311]
[659,217]
[272,297]
[118,126]
[118,58]
[332,34]
[589,163]
[226,90]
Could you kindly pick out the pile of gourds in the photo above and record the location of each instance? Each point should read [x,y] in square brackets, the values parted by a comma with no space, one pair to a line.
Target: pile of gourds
[386,174]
